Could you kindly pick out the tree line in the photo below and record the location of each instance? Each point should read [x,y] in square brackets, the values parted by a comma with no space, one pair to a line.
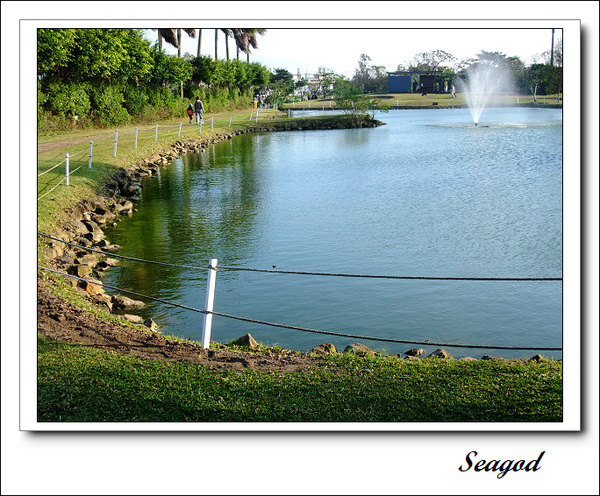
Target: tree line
[544,76]
[116,76]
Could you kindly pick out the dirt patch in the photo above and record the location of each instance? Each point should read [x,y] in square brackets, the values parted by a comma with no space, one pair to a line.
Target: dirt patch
[62,321]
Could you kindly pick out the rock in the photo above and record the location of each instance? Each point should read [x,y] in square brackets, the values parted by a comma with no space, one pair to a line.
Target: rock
[54,250]
[247,341]
[325,349]
[408,357]
[122,302]
[81,241]
[537,358]
[136,319]
[93,287]
[440,353]
[468,359]
[124,206]
[150,324]
[94,237]
[489,357]
[415,352]
[68,258]
[104,299]
[87,259]
[77,227]
[359,349]
[79,270]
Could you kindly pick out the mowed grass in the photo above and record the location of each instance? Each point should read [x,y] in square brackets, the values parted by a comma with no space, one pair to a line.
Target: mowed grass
[440,99]
[79,384]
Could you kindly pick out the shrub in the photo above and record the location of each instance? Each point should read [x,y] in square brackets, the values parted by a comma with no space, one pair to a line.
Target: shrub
[135,100]
[108,105]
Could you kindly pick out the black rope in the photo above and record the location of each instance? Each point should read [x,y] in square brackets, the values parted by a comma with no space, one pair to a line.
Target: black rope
[305,329]
[393,277]
[389,340]
[272,271]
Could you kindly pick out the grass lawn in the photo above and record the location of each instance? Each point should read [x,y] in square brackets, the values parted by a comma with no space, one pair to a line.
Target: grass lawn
[79,384]
[442,100]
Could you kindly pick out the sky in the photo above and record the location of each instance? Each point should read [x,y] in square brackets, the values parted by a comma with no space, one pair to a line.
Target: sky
[340,48]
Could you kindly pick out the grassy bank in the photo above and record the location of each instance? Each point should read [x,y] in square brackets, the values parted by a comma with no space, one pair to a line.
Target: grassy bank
[442,100]
[79,384]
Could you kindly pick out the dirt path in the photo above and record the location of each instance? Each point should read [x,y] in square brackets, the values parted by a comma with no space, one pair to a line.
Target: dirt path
[62,321]
[81,138]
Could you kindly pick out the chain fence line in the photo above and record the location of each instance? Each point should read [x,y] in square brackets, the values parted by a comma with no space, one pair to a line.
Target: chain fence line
[303,329]
[284,326]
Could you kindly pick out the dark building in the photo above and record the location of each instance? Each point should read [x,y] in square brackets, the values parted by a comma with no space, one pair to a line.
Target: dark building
[416,81]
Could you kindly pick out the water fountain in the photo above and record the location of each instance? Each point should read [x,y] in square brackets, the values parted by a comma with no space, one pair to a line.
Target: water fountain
[482,81]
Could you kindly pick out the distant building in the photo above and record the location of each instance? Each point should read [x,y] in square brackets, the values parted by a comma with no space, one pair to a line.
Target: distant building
[416,81]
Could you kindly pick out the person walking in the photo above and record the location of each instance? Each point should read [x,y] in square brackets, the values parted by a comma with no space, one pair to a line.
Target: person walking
[199,109]
[190,112]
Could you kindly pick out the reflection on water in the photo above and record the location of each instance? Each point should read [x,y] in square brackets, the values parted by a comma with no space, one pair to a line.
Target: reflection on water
[424,195]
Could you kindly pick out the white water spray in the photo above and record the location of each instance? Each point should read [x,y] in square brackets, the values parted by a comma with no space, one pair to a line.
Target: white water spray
[483,81]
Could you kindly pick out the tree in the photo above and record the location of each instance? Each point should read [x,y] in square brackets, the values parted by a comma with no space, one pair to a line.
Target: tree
[352,100]
[93,55]
[427,61]
[246,38]
[372,78]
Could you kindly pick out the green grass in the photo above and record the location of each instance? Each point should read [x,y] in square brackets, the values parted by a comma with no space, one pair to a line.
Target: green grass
[443,100]
[79,384]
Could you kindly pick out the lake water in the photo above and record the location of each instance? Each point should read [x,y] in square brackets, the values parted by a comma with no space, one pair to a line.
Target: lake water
[428,194]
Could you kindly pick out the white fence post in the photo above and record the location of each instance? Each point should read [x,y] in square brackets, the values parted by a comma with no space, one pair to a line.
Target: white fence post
[251,112]
[230,121]
[212,126]
[67,170]
[136,133]
[210,300]
[179,133]
[156,132]
[116,138]
[200,129]
[90,160]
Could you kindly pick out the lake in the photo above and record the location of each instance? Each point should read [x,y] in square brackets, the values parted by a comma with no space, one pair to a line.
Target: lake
[427,194]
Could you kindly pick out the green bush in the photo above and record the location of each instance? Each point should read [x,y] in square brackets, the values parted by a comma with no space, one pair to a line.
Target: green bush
[135,100]
[108,105]
[65,99]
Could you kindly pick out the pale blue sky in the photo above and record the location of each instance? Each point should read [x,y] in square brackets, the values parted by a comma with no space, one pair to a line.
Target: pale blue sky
[339,49]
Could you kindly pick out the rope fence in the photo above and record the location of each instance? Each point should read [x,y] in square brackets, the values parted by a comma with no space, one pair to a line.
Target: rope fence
[208,312]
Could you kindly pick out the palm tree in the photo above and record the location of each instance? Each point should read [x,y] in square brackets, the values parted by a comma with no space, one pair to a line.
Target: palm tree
[173,37]
[227,33]
[246,38]
[168,35]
